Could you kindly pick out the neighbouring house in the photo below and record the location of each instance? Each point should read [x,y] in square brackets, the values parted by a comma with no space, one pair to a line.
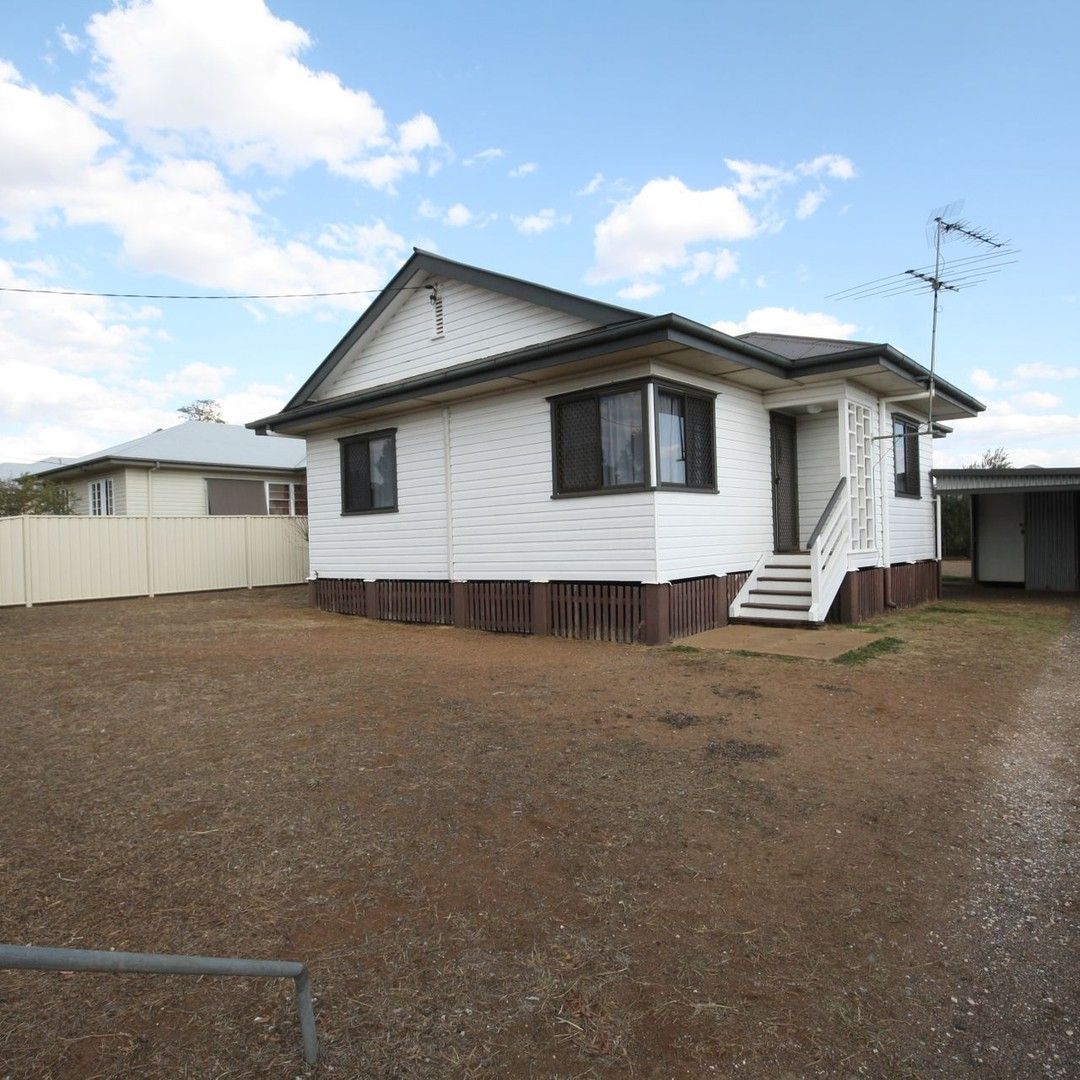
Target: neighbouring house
[1025,524]
[192,469]
[12,470]
[495,453]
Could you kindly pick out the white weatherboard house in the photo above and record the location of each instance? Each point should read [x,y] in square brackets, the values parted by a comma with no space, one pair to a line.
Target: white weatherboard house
[490,452]
[191,469]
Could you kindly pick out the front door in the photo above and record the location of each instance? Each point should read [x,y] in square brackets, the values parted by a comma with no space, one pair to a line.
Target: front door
[785,482]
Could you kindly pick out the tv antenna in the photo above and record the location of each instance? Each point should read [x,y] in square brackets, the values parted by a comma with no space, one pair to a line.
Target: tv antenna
[963,273]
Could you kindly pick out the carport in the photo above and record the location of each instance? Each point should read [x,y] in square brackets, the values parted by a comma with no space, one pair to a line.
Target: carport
[1025,524]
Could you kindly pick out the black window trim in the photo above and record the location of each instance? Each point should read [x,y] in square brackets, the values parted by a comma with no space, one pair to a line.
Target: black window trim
[367,436]
[686,391]
[908,422]
[651,442]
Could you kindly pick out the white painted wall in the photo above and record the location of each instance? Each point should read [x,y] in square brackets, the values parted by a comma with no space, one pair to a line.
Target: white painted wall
[411,543]
[176,492]
[911,521]
[818,440]
[478,323]
[699,534]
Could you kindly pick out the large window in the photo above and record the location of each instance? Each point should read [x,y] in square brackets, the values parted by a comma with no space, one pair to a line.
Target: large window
[369,473]
[906,457]
[101,498]
[602,439]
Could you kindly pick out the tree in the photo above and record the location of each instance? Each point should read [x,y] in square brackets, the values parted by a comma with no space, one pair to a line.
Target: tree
[998,458]
[205,409]
[956,509]
[31,495]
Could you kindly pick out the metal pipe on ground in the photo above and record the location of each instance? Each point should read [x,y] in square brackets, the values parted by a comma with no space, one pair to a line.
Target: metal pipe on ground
[33,958]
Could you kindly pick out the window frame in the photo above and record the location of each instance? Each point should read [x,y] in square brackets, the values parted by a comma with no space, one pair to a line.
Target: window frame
[910,427]
[106,506]
[597,392]
[649,386]
[365,437]
[685,391]
[292,485]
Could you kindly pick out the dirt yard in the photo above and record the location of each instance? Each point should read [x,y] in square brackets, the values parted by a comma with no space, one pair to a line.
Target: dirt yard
[522,857]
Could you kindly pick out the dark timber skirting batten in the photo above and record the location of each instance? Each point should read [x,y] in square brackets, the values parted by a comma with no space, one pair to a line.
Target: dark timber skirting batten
[605,610]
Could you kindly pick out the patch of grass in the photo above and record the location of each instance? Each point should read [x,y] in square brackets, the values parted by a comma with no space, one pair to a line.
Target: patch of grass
[764,655]
[951,609]
[683,648]
[868,652]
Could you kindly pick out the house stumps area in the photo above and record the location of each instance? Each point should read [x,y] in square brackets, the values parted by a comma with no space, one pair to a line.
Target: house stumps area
[606,611]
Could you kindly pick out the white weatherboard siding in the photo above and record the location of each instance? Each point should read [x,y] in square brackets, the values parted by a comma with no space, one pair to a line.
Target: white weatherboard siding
[911,521]
[507,525]
[818,442]
[409,544]
[80,490]
[699,533]
[478,323]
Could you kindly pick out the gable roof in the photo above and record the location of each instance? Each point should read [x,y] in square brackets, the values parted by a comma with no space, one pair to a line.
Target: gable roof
[422,263]
[224,446]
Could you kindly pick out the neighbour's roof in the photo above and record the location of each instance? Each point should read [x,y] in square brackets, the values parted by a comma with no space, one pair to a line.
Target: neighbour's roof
[12,470]
[195,442]
[1029,478]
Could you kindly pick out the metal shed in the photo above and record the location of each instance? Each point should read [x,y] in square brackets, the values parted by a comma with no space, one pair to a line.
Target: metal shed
[1025,524]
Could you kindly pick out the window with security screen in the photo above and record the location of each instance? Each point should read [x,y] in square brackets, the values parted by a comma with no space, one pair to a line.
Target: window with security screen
[906,457]
[603,439]
[369,473]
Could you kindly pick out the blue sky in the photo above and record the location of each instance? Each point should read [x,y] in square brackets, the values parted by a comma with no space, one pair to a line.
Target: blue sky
[736,163]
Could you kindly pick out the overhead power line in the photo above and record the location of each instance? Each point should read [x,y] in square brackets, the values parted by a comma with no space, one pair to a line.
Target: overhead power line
[203,296]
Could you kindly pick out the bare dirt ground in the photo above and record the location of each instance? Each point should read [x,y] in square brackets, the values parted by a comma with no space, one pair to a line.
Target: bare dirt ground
[522,857]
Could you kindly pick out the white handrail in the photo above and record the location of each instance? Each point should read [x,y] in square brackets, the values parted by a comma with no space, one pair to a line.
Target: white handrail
[829,546]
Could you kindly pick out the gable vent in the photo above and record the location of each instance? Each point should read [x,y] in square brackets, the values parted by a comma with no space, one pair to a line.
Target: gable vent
[436,301]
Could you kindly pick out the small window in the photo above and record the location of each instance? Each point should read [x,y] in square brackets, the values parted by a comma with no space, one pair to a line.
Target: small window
[369,473]
[685,440]
[101,498]
[599,441]
[906,457]
[287,499]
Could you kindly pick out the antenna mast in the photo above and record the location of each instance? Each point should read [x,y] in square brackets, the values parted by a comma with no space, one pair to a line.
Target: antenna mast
[964,273]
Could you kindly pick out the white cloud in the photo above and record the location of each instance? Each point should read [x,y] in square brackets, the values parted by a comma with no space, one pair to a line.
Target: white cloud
[983,380]
[1040,370]
[1030,438]
[1038,399]
[525,169]
[835,166]
[71,42]
[651,232]
[640,290]
[716,264]
[199,76]
[428,209]
[777,320]
[810,203]
[540,222]
[593,186]
[492,153]
[458,216]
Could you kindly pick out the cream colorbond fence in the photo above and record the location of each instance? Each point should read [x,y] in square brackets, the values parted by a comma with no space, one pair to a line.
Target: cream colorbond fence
[50,559]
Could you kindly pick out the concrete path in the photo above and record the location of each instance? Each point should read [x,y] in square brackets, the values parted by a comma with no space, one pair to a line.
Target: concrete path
[826,643]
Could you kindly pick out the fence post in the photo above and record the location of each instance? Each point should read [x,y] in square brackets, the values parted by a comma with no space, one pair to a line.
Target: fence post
[28,596]
[149,537]
[247,550]
[540,605]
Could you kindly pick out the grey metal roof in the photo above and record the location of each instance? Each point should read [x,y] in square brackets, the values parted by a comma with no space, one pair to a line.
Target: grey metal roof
[800,347]
[1030,478]
[12,470]
[228,446]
